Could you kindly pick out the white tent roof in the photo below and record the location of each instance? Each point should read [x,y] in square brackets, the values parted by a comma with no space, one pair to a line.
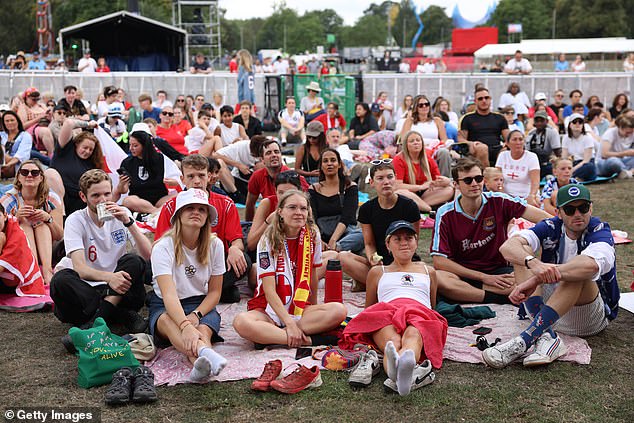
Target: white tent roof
[569,46]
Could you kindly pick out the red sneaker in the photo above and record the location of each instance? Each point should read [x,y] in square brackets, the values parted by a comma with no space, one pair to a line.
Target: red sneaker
[272,370]
[302,378]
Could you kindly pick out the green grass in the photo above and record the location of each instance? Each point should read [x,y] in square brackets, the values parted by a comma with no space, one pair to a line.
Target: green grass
[35,371]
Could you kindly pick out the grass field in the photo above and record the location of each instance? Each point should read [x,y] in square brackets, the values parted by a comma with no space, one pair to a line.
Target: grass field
[36,371]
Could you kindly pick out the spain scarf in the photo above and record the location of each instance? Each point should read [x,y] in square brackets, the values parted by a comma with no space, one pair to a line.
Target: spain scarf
[303,273]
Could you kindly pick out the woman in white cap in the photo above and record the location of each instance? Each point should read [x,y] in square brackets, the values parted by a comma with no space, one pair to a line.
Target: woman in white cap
[188,265]
[579,145]
[113,122]
[311,105]
[399,318]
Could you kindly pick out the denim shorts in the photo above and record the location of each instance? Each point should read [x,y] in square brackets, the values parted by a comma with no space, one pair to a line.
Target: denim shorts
[157,307]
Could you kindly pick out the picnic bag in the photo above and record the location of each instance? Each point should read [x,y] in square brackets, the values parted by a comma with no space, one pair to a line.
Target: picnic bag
[101,353]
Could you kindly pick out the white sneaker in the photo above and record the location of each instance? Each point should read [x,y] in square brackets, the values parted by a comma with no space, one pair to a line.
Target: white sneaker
[422,376]
[546,351]
[504,354]
[625,174]
[367,368]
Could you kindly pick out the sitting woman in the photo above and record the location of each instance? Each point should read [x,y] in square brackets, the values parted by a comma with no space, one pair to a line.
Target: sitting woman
[362,125]
[74,155]
[334,201]
[399,318]
[35,117]
[520,168]
[307,156]
[418,176]
[562,170]
[143,179]
[580,146]
[170,132]
[39,212]
[182,307]
[16,143]
[284,310]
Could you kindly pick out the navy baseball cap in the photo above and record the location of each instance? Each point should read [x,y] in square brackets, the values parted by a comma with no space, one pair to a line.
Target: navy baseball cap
[398,225]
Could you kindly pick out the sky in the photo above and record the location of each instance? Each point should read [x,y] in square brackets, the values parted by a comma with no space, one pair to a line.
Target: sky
[349,10]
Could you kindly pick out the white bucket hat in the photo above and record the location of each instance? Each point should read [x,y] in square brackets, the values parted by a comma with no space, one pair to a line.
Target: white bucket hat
[194,196]
[314,86]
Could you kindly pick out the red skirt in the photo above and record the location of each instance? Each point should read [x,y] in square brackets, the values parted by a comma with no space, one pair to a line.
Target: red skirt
[399,313]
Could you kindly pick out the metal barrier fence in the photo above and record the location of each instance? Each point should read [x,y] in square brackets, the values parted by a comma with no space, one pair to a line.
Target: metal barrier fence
[451,86]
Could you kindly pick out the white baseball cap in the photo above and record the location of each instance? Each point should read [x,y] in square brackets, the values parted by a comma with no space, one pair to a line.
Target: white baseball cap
[141,127]
[116,110]
[194,196]
[540,96]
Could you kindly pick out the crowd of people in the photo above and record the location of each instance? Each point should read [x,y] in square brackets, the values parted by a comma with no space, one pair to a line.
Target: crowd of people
[478,174]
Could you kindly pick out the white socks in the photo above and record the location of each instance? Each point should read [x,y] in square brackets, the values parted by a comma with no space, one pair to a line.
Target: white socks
[208,362]
[217,361]
[391,360]
[405,370]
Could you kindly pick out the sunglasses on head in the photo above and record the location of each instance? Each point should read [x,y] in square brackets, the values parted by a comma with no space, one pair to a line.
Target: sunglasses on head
[289,175]
[570,209]
[469,179]
[421,105]
[379,162]
[486,97]
[33,172]
[170,114]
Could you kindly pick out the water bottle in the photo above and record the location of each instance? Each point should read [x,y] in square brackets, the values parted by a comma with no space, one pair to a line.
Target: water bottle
[334,279]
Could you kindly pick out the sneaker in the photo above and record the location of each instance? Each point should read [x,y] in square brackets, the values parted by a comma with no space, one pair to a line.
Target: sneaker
[144,390]
[337,359]
[625,174]
[422,376]
[271,372]
[67,342]
[132,320]
[546,351]
[302,378]
[504,354]
[367,368]
[118,393]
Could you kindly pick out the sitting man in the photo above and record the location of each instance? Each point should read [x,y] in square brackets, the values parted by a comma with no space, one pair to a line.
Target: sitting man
[468,234]
[98,278]
[576,277]
[196,174]
[262,180]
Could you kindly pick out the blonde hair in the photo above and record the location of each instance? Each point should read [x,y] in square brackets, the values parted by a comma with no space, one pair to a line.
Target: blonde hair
[490,172]
[275,235]
[554,160]
[92,177]
[203,243]
[41,196]
[245,60]
[422,160]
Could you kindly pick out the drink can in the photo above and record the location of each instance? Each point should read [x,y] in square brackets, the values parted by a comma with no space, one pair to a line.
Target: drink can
[102,214]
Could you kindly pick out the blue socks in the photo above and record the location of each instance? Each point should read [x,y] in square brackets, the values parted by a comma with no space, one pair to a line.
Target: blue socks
[542,322]
[533,306]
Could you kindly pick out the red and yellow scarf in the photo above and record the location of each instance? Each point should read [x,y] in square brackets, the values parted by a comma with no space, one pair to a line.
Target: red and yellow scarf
[302,275]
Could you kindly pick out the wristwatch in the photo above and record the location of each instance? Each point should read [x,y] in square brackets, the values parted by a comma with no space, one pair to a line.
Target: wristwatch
[527,259]
[130,223]
[49,220]
[197,314]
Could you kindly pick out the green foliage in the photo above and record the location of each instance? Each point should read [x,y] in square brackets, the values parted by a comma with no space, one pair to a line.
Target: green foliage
[438,26]
[535,17]
[369,30]
[405,24]
[16,34]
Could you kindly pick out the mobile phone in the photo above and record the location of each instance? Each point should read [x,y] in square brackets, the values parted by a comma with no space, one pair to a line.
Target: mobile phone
[122,172]
[482,330]
[303,353]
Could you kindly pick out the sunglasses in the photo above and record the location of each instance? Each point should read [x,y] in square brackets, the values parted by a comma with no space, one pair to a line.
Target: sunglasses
[180,100]
[469,179]
[577,121]
[33,172]
[570,209]
[379,162]
[484,98]
[170,114]
[421,105]
[60,113]
[509,113]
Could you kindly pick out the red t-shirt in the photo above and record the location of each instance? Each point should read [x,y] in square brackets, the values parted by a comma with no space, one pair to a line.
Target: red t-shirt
[183,127]
[400,168]
[261,183]
[329,122]
[227,227]
[233,66]
[174,136]
[475,242]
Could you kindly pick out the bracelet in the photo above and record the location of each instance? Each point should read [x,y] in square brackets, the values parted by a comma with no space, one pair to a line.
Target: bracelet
[130,223]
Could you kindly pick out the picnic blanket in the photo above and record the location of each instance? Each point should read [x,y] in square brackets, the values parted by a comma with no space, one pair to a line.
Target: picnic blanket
[171,367]
[17,304]
[18,262]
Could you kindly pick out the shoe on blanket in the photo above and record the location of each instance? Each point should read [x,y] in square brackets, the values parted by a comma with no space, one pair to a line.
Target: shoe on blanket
[118,393]
[547,350]
[368,367]
[501,355]
[271,372]
[422,376]
[302,378]
[144,390]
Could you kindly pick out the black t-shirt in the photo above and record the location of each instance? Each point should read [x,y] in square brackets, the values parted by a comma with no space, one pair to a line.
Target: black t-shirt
[372,214]
[77,109]
[361,128]
[254,128]
[556,108]
[201,66]
[70,167]
[337,205]
[487,129]
[144,184]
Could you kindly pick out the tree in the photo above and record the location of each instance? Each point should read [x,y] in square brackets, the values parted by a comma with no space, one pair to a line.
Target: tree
[369,30]
[438,26]
[405,24]
[16,33]
[536,18]
[593,19]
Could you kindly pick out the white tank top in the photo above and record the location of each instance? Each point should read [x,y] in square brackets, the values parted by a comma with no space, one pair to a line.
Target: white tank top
[413,286]
[229,135]
[428,130]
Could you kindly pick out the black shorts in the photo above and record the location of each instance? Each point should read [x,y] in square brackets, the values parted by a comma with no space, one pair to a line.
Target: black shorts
[504,270]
